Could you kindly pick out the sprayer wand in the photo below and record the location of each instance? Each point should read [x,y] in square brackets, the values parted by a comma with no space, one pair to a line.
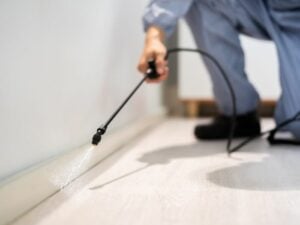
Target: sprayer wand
[150,74]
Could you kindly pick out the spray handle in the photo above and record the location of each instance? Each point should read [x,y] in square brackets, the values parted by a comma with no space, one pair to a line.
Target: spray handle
[151,72]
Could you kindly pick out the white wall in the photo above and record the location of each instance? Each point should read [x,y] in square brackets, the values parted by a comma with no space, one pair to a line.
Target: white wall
[261,66]
[64,67]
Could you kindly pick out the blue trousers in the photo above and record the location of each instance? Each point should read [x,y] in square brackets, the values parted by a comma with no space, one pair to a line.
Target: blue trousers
[216,26]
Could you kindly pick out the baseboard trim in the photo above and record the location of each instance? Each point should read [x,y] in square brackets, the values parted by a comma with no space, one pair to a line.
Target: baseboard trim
[27,190]
[208,107]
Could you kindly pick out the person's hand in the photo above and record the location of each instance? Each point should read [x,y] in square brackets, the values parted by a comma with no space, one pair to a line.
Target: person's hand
[154,49]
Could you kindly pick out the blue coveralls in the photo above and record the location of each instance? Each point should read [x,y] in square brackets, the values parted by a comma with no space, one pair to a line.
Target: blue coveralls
[216,25]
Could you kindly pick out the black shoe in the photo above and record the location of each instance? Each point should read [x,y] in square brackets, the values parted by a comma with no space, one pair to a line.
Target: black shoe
[246,125]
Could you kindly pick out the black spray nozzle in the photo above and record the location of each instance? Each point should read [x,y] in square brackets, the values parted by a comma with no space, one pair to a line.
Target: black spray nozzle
[98,136]
[151,72]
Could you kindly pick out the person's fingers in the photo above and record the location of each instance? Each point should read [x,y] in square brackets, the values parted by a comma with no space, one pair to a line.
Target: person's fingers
[161,78]
[143,63]
[166,73]
[160,63]
[162,70]
[164,76]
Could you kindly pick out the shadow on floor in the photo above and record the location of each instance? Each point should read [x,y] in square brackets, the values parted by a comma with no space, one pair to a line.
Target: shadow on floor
[277,170]
[165,155]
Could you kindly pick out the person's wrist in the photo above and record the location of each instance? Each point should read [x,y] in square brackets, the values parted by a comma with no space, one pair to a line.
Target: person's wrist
[155,34]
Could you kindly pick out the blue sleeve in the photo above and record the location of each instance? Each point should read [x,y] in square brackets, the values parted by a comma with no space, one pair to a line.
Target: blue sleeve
[165,14]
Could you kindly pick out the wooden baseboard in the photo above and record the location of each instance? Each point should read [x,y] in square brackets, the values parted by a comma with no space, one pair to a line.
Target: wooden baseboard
[208,107]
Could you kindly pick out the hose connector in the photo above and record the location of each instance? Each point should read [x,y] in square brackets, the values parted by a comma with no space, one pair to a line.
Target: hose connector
[98,136]
[152,72]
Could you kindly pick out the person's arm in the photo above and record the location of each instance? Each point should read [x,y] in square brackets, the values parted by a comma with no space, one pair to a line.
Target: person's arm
[160,20]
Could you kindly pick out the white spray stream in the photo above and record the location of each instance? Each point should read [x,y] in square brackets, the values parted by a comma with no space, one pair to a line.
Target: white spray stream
[73,169]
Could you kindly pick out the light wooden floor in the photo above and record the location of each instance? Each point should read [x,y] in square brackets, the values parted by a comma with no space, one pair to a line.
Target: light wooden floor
[168,178]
